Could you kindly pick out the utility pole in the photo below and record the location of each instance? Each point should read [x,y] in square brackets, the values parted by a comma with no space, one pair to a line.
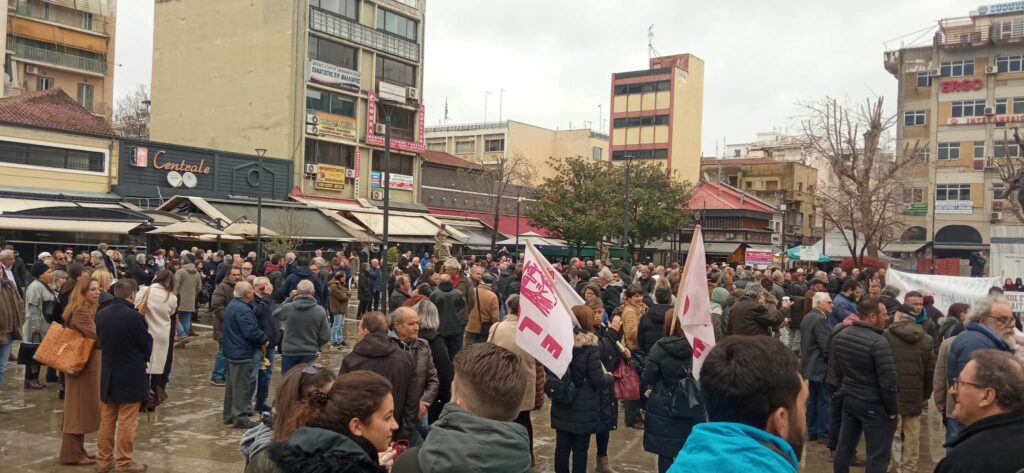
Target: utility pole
[259,208]
[501,100]
[625,211]
[487,96]
[385,184]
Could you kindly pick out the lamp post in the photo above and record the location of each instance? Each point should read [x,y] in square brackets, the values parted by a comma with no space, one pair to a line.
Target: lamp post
[782,237]
[385,184]
[259,207]
[518,201]
[625,210]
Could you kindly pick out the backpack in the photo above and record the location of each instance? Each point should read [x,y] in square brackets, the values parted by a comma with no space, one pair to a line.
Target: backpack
[684,400]
[560,390]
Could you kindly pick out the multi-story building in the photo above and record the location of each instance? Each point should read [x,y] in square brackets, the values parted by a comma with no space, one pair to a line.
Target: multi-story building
[487,143]
[61,44]
[313,81]
[776,183]
[782,147]
[656,114]
[732,221]
[958,100]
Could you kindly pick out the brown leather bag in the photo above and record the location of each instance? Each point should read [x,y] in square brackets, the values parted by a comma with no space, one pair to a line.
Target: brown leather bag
[65,349]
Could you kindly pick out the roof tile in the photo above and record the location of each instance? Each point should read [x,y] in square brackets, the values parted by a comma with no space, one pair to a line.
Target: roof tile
[446,159]
[55,110]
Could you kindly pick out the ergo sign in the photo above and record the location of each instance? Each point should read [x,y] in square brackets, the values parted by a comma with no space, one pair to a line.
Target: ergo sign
[961,85]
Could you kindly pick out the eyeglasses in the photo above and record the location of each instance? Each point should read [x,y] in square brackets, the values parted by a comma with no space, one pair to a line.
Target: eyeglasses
[1005,320]
[957,382]
[313,369]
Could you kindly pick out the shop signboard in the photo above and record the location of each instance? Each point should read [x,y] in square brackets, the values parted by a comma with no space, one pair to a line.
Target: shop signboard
[954,207]
[391,92]
[335,76]
[330,177]
[916,209]
[398,181]
[758,259]
[329,125]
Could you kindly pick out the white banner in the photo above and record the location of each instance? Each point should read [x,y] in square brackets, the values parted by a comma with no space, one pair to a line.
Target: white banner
[545,328]
[693,306]
[947,290]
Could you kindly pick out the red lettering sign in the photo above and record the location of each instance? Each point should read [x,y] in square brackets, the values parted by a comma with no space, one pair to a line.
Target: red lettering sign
[528,323]
[537,289]
[552,346]
[961,85]
[698,347]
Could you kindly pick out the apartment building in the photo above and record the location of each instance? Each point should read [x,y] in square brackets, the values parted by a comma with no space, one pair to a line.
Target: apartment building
[313,81]
[656,114]
[65,44]
[781,146]
[959,99]
[486,143]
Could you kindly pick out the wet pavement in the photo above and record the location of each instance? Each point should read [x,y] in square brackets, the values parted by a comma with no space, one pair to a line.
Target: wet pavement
[186,435]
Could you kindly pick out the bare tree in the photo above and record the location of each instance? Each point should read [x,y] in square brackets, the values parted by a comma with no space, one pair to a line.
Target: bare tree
[1011,172]
[291,223]
[498,180]
[131,117]
[864,199]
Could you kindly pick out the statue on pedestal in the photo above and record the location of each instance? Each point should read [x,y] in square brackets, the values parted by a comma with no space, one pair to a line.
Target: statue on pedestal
[442,249]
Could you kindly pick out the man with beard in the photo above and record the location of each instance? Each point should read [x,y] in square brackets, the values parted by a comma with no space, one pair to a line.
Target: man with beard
[755,399]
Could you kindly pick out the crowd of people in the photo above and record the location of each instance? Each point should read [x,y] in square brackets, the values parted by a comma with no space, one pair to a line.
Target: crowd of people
[802,355]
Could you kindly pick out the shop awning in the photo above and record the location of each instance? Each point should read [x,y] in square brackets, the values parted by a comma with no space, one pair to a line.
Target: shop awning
[398,224]
[286,218]
[70,226]
[904,246]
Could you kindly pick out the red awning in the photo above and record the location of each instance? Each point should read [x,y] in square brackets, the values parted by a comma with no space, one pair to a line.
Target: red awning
[506,224]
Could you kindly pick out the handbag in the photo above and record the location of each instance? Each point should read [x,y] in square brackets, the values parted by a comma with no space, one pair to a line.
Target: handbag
[143,305]
[627,382]
[65,349]
[27,350]
[685,400]
[154,397]
[48,309]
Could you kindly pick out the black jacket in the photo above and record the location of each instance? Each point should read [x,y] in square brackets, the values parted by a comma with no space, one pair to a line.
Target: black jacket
[582,416]
[748,317]
[611,297]
[990,445]
[451,308]
[865,366]
[379,353]
[127,346]
[443,365]
[915,364]
[669,361]
[611,357]
[365,288]
[652,326]
[263,307]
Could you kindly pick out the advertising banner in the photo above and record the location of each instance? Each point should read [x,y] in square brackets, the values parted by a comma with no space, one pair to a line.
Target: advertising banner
[758,259]
[330,177]
[329,74]
[398,181]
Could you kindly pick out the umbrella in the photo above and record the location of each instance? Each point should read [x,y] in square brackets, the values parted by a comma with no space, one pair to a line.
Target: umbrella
[247,229]
[222,238]
[187,228]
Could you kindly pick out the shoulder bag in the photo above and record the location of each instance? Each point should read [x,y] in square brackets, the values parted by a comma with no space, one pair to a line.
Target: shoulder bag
[65,349]
[27,350]
[627,382]
[144,303]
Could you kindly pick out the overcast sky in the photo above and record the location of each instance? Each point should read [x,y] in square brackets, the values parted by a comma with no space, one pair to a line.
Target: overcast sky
[555,58]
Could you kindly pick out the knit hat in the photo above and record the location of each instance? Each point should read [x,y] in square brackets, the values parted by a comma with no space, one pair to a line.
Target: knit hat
[39,269]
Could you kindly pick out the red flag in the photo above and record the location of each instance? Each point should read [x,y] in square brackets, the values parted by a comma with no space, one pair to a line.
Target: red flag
[693,305]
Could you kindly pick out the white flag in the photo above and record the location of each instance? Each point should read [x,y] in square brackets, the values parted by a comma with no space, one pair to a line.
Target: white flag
[693,305]
[545,329]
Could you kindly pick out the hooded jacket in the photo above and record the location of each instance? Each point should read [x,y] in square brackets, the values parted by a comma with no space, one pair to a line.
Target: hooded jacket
[222,295]
[726,447]
[462,442]
[451,309]
[312,450]
[306,323]
[652,326]
[915,364]
[581,416]
[379,353]
[339,297]
[292,282]
[668,362]
[187,285]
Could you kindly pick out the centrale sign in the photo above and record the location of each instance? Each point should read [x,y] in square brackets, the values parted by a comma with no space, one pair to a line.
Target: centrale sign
[181,166]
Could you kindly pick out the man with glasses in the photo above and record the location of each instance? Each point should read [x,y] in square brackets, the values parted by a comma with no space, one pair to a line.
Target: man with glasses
[814,335]
[990,326]
[989,396]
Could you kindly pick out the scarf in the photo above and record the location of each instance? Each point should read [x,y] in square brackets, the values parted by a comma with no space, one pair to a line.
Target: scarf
[12,312]
[921,317]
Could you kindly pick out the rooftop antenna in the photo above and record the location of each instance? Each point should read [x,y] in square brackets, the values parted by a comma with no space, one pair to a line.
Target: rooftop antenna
[651,52]
[446,110]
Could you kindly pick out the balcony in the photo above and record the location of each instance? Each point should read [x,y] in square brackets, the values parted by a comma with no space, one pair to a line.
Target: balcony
[65,16]
[57,58]
[328,23]
[962,36]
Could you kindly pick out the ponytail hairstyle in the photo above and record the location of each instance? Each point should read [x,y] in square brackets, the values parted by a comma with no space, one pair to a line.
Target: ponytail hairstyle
[354,395]
[301,393]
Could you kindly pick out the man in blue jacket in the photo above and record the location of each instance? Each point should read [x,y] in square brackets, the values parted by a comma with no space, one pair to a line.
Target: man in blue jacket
[301,272]
[756,401]
[845,303]
[241,337]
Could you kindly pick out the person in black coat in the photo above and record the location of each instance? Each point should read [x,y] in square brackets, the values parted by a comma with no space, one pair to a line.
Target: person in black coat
[652,324]
[365,290]
[608,336]
[124,384]
[575,421]
[666,427]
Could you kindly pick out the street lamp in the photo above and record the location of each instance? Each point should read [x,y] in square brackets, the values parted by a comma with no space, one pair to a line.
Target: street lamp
[625,210]
[385,184]
[518,201]
[259,207]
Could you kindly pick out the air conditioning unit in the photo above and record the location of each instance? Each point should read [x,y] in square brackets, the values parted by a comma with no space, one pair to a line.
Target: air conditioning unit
[730,236]
[380,129]
[991,70]
[31,70]
[935,72]
[990,111]
[377,195]
[776,239]
[997,205]
[994,216]
[412,93]
[311,169]
[350,173]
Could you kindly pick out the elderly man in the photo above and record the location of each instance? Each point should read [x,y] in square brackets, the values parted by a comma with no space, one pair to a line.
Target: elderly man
[307,327]
[989,397]
[188,284]
[219,301]
[263,307]
[376,282]
[915,365]
[241,337]
[7,265]
[405,326]
[485,311]
[401,292]
[246,270]
[814,335]
[751,315]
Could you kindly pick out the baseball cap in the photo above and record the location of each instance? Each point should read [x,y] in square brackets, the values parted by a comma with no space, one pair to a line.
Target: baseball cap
[44,255]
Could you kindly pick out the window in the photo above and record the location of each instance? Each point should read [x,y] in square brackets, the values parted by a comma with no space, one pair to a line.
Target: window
[953,192]
[948,151]
[979,149]
[736,153]
[914,118]
[85,96]
[771,185]
[44,83]
[923,79]
[494,146]
[1010,63]
[51,157]
[922,154]
[394,71]
[400,163]
[403,121]
[50,12]
[1018,105]
[970,108]
[596,153]
[733,180]
[997,190]
[330,102]
[346,8]
[465,147]
[1002,149]
[327,152]
[436,146]
[397,24]
[643,88]
[913,195]
[958,68]
[641,121]
[332,53]
[640,154]
[1001,106]
[86,20]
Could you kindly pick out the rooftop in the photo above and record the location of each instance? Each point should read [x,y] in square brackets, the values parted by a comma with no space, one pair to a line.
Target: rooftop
[53,109]
[721,196]
[450,160]
[737,161]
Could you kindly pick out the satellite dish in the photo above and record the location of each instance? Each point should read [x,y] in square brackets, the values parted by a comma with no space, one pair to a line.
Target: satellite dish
[189,179]
[174,179]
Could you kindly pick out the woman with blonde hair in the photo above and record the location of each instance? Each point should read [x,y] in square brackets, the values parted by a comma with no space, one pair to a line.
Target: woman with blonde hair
[82,392]
[105,280]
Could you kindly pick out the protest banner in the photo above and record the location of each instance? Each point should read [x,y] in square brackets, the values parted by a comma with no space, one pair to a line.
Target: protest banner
[693,305]
[946,290]
[545,329]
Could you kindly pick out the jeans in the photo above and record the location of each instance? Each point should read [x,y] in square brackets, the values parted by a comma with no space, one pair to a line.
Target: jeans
[953,428]
[289,361]
[819,409]
[184,323]
[878,430]
[577,445]
[220,366]
[836,422]
[5,356]
[263,383]
[376,300]
[338,330]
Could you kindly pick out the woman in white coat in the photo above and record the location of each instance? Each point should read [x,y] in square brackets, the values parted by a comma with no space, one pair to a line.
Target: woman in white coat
[160,306]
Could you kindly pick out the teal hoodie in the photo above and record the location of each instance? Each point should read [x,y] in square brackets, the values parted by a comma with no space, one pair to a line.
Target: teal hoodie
[726,447]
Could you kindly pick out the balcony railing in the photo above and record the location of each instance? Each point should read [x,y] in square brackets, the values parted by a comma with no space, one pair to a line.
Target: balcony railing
[344,28]
[65,16]
[1008,31]
[57,58]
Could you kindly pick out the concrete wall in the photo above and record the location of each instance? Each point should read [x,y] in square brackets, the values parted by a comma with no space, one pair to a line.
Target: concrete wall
[52,178]
[687,113]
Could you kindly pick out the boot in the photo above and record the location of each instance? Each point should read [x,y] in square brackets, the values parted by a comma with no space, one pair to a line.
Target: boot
[602,466]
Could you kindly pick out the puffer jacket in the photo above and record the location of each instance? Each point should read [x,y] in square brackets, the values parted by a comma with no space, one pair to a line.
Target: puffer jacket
[915,364]
[611,357]
[312,450]
[749,317]
[187,285]
[581,416]
[451,308]
[669,362]
[865,367]
[222,295]
[652,326]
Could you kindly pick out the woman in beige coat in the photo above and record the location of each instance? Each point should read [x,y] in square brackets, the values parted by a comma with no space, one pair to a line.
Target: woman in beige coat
[503,334]
[161,304]
[82,392]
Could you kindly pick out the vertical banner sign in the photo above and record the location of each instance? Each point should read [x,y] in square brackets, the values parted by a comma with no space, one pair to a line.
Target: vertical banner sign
[693,305]
[545,321]
[947,290]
